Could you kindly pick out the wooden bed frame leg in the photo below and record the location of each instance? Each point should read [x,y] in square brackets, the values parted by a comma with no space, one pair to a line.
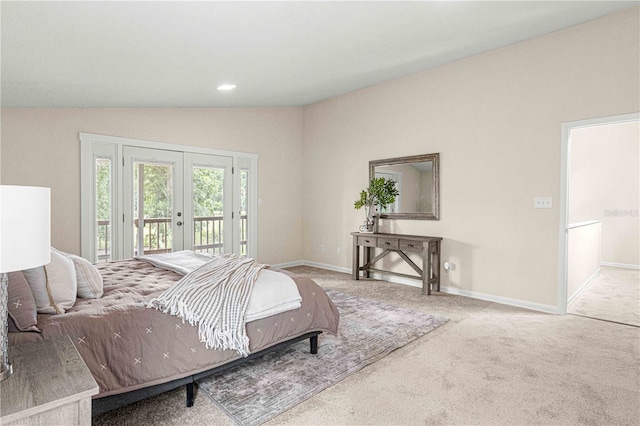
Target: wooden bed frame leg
[313,341]
[190,394]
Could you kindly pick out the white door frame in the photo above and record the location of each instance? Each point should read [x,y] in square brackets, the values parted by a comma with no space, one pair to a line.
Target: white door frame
[565,168]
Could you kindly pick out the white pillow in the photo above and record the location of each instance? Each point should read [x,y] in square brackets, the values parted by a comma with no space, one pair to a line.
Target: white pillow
[90,285]
[61,275]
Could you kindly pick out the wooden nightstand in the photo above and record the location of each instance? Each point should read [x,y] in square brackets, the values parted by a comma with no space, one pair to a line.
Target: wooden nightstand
[50,385]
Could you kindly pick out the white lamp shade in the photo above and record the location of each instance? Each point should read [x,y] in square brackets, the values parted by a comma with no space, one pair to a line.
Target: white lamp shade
[25,227]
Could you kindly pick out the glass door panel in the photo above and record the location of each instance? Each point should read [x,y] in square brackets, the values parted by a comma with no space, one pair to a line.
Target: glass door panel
[208,209]
[152,208]
[244,239]
[153,201]
[103,210]
[244,211]
[208,203]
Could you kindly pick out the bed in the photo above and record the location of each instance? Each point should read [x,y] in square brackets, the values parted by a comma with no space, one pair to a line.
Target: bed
[134,352]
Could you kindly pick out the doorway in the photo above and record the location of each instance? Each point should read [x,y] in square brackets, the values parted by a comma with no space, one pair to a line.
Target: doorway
[143,197]
[175,201]
[600,229]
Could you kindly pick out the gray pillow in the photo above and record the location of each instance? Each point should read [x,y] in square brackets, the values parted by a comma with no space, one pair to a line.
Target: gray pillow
[22,306]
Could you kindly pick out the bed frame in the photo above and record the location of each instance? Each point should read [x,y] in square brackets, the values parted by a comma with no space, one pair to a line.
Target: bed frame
[108,403]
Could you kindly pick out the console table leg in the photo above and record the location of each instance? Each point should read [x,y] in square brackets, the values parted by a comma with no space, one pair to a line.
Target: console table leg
[436,264]
[367,259]
[426,268]
[355,263]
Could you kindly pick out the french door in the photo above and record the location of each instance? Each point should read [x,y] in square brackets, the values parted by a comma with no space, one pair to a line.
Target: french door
[175,200]
[143,197]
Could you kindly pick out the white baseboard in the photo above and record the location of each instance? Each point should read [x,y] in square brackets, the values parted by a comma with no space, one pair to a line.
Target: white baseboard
[620,265]
[418,283]
[288,264]
[582,288]
[326,266]
[502,300]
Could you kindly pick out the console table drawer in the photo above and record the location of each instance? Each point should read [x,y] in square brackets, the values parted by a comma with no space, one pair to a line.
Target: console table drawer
[388,243]
[411,245]
[367,241]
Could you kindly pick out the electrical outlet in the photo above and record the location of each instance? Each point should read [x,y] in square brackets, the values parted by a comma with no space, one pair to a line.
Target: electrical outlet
[542,203]
[338,250]
[322,248]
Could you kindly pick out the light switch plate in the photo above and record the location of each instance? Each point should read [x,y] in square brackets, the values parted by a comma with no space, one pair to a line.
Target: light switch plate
[542,203]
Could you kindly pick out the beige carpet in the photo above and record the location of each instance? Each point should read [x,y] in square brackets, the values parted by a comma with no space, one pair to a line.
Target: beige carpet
[265,387]
[613,296]
[490,364]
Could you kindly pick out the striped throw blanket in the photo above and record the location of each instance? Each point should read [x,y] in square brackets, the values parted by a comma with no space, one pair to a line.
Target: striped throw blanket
[215,297]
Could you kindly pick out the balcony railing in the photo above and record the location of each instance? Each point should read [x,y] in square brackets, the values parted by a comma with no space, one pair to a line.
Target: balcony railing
[103,247]
[208,236]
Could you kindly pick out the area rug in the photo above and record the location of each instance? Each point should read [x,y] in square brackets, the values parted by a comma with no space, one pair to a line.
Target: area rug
[261,389]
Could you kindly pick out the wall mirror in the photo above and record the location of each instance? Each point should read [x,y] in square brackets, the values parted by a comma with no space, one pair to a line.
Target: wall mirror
[418,180]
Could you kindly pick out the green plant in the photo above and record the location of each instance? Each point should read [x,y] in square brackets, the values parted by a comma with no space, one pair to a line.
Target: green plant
[381,192]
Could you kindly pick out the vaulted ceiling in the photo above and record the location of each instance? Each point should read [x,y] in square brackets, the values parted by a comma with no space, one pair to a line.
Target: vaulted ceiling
[175,54]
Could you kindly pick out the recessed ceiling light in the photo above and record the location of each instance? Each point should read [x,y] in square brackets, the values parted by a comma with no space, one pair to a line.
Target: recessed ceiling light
[226,87]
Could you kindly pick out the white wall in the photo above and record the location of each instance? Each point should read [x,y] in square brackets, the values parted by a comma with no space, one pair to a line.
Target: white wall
[41,147]
[605,185]
[495,119]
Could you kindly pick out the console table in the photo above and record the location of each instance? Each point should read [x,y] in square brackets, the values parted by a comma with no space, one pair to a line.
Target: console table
[428,247]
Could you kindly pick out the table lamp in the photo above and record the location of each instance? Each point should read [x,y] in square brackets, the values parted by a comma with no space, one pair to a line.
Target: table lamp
[25,242]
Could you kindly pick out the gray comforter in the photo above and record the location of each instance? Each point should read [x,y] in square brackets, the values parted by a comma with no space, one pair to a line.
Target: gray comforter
[127,346]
